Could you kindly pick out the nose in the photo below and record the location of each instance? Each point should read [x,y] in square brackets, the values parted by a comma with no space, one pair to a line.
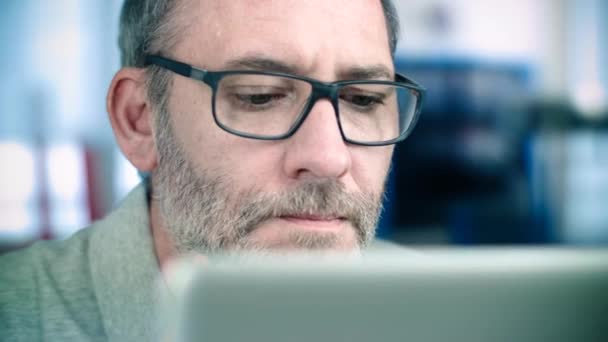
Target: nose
[317,149]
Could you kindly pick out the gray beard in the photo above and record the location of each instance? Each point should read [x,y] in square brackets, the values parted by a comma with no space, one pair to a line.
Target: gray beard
[204,214]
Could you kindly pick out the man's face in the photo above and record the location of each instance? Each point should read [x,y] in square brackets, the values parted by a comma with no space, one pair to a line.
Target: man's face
[312,190]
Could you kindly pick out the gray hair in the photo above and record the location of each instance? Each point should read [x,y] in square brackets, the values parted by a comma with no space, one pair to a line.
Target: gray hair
[146,27]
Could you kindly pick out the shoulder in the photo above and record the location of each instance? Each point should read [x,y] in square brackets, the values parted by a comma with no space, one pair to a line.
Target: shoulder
[80,288]
[48,282]
[46,259]
[18,303]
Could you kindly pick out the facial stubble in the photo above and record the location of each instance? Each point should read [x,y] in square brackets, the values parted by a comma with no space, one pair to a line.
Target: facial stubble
[203,213]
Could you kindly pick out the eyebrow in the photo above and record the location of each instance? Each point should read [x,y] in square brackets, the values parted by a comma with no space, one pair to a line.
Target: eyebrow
[371,72]
[259,63]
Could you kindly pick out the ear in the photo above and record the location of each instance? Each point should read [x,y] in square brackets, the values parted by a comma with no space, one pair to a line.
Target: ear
[132,118]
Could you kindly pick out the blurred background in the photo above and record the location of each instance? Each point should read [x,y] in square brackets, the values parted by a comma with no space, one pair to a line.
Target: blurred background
[511,148]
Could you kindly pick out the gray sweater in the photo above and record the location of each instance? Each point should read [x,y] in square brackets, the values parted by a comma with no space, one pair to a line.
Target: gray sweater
[98,285]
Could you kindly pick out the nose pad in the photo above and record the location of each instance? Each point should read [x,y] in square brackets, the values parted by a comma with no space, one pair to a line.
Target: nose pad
[320,96]
[324,110]
[317,147]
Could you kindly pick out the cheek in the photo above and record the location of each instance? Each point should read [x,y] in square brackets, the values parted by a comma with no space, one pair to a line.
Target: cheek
[242,162]
[245,163]
[254,166]
[370,167]
[191,115]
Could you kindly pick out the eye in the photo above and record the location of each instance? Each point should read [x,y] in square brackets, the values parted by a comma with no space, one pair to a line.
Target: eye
[363,100]
[258,99]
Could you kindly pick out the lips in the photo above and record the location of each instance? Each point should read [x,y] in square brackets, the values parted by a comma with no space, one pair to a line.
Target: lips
[312,218]
[314,222]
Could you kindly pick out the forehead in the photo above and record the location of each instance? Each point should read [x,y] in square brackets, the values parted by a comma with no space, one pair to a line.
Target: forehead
[320,36]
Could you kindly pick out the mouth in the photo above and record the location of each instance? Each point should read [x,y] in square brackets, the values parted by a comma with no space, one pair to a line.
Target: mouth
[315,222]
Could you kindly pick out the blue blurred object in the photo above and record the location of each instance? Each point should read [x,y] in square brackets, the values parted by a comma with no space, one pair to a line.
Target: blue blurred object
[570,184]
[463,166]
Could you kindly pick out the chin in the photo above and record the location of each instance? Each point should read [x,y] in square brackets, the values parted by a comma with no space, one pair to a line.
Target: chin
[291,238]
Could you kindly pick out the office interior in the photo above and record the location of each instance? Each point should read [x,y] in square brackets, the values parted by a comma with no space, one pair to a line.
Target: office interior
[511,147]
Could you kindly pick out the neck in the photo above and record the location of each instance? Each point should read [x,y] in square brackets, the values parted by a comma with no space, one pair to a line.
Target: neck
[163,246]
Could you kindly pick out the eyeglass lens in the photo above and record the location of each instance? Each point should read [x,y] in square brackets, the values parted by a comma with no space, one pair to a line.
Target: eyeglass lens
[269,106]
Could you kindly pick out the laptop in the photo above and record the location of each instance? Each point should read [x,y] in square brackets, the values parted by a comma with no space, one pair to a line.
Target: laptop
[435,295]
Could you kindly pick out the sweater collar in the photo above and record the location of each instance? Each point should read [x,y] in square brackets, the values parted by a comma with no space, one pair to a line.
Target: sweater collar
[125,271]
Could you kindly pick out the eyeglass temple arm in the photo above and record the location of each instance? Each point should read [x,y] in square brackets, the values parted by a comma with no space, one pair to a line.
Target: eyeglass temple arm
[177,67]
[401,78]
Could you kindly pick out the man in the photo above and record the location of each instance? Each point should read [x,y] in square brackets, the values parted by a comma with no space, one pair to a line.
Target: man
[264,125]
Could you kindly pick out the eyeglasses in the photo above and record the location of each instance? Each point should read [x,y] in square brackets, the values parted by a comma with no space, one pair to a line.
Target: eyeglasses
[272,106]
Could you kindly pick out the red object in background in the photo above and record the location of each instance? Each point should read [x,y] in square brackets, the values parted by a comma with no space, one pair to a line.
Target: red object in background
[43,199]
[93,179]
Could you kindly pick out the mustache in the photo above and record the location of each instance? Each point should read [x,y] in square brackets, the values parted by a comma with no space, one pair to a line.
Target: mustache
[324,198]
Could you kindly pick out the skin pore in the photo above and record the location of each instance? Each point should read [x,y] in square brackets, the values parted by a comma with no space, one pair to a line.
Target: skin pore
[212,190]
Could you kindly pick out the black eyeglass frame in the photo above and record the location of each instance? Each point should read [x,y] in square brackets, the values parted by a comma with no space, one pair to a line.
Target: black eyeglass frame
[320,90]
